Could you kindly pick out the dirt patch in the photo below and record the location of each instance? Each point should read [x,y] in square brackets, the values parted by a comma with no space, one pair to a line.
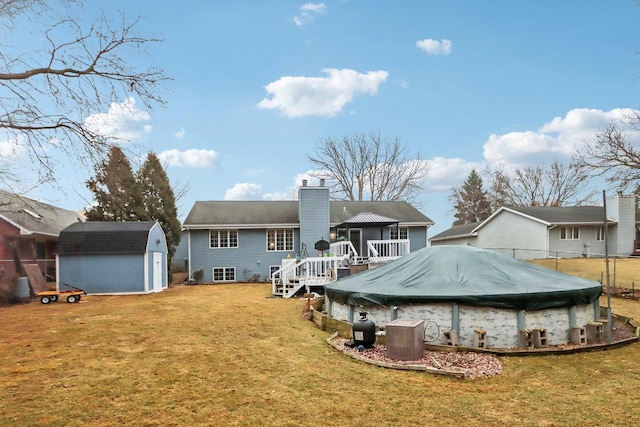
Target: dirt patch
[462,364]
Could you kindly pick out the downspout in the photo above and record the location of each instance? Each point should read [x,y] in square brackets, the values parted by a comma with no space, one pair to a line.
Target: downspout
[189,254]
[548,240]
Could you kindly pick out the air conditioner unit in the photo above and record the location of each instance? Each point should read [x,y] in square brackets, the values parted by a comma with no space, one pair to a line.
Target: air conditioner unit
[405,339]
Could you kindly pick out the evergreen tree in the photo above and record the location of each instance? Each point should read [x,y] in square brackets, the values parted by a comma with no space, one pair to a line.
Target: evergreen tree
[159,201]
[470,201]
[115,190]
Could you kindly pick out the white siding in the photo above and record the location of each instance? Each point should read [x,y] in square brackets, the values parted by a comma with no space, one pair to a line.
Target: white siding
[622,236]
[514,235]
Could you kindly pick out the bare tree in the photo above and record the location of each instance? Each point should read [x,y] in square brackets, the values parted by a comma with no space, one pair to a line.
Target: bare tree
[613,154]
[47,93]
[361,167]
[554,185]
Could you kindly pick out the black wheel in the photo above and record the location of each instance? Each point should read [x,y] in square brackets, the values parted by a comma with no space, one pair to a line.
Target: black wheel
[45,300]
[72,298]
[78,296]
[54,298]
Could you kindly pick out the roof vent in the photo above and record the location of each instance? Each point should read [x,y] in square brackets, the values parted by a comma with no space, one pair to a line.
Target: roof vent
[304,182]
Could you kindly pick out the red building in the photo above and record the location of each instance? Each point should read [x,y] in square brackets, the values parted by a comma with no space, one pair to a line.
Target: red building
[29,229]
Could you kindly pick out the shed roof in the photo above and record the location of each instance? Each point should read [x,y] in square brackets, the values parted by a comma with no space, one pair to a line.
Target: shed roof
[101,238]
[33,217]
[465,275]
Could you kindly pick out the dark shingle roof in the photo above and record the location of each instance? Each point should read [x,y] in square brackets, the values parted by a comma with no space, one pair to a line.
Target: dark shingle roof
[563,215]
[100,238]
[267,213]
[457,231]
[341,211]
[551,215]
[34,217]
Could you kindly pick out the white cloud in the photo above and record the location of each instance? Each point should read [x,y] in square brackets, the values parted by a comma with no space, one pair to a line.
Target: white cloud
[307,13]
[10,148]
[558,139]
[444,174]
[180,134]
[434,47]
[320,96]
[123,121]
[244,191]
[190,158]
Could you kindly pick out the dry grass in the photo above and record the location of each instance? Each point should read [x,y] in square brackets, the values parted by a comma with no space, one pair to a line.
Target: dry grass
[623,272]
[230,355]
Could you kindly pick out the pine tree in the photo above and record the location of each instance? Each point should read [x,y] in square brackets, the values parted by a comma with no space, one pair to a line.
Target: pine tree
[115,190]
[159,201]
[470,201]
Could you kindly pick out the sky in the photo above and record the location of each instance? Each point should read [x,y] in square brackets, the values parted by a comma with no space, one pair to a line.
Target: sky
[257,85]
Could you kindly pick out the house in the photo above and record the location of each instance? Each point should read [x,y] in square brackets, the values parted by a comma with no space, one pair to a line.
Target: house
[529,232]
[234,241]
[29,230]
[113,257]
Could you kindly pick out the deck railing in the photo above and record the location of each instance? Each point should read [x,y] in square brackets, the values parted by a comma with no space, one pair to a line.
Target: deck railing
[387,250]
[311,271]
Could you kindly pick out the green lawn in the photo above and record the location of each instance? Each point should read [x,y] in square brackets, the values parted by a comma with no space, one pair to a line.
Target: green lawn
[225,355]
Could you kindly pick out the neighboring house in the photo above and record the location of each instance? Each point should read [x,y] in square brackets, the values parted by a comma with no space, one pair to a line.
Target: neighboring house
[113,257]
[541,232]
[30,229]
[233,241]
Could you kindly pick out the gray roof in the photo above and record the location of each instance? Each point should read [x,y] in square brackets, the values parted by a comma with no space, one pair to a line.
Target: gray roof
[99,238]
[285,213]
[370,218]
[552,215]
[563,215]
[33,217]
[457,231]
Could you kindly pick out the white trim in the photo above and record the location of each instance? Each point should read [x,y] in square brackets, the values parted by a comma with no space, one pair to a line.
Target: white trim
[23,231]
[146,272]
[190,276]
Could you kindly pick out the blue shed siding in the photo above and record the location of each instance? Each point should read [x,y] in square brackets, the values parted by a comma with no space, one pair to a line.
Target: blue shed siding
[103,274]
[249,258]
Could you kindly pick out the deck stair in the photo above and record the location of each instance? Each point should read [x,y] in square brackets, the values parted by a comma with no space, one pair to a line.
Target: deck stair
[310,273]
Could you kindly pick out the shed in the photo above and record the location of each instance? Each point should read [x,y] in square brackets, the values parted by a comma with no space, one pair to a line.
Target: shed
[113,257]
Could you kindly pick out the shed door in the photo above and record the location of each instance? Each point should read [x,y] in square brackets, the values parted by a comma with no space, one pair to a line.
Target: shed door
[157,272]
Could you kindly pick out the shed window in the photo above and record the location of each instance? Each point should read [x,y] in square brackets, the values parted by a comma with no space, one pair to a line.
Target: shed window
[569,233]
[403,231]
[224,274]
[600,234]
[223,238]
[279,240]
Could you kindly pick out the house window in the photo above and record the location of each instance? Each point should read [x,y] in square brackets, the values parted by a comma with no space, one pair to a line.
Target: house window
[569,233]
[41,250]
[223,238]
[273,269]
[279,240]
[393,233]
[224,274]
[600,234]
